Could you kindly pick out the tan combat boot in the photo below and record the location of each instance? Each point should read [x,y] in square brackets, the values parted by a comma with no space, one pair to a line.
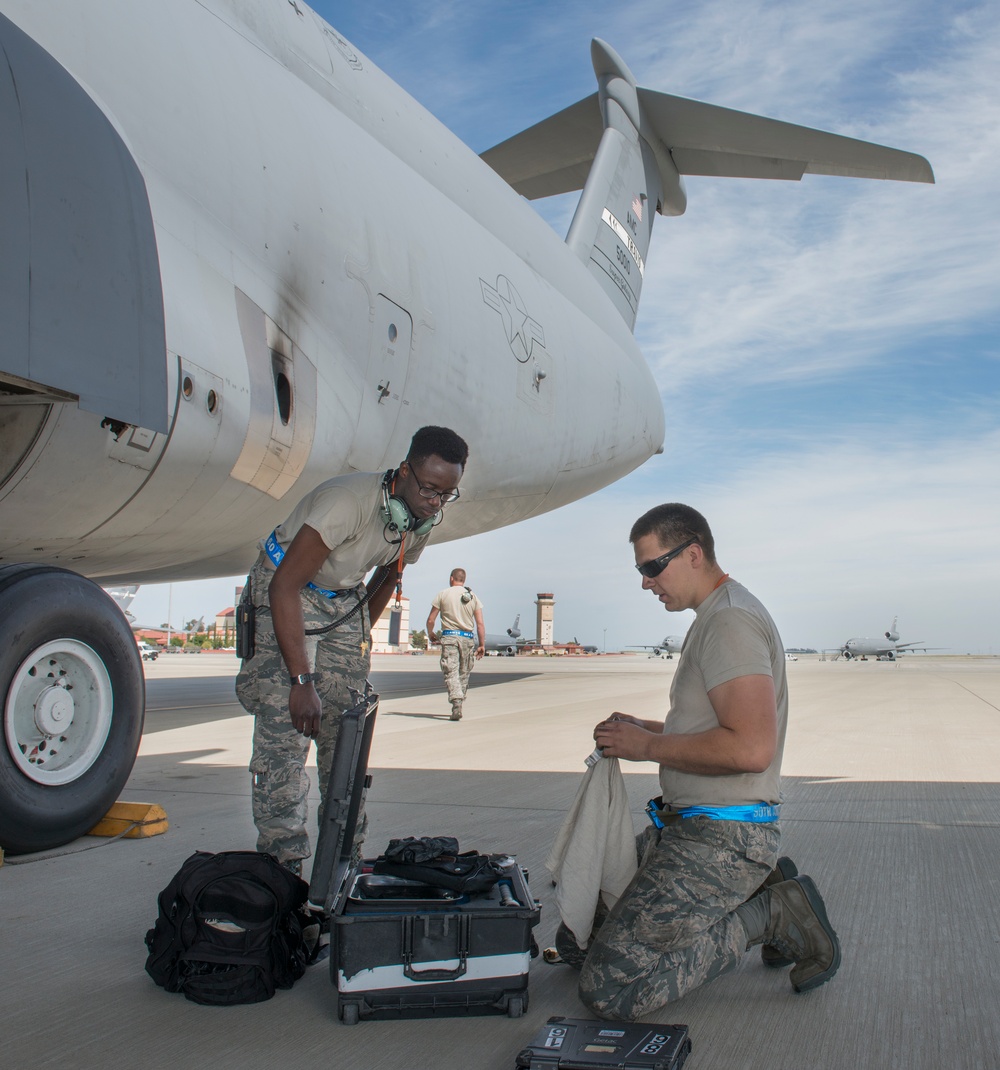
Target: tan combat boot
[770,956]
[801,931]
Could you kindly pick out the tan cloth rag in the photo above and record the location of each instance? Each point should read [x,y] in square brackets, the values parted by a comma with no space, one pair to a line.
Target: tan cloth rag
[594,852]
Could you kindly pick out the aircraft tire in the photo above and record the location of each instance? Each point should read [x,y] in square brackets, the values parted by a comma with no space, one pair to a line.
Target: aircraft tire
[73,705]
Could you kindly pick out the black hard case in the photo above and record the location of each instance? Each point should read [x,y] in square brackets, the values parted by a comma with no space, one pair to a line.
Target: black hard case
[581,1044]
[401,949]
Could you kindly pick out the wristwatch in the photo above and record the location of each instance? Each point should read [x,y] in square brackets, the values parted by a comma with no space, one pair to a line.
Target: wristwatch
[305,677]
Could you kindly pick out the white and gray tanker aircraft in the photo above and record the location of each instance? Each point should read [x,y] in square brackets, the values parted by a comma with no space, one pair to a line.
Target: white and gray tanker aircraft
[666,648]
[509,642]
[885,648]
[237,259]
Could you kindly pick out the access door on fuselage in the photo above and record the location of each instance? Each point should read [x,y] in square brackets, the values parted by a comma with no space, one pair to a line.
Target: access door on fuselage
[382,397]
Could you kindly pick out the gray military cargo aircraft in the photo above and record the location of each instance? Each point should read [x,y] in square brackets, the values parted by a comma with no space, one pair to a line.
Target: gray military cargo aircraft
[237,259]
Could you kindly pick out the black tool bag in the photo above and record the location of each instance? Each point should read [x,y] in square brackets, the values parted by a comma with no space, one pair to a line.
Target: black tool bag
[229,929]
[436,861]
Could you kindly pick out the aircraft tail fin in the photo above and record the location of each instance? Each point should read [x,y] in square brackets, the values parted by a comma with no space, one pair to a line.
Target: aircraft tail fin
[628,147]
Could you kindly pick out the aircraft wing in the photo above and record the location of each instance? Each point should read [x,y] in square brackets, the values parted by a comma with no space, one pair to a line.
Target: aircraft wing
[555,155]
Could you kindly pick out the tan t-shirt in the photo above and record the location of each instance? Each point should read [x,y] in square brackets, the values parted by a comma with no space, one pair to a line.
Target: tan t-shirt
[347,513]
[456,614]
[732,635]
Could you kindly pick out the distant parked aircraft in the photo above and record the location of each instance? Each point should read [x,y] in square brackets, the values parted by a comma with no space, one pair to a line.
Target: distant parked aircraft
[884,649]
[509,642]
[666,648]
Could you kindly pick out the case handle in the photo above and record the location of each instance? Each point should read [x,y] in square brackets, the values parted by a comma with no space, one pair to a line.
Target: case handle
[438,973]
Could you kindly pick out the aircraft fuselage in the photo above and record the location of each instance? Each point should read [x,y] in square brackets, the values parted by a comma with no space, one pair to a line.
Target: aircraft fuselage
[874,648]
[336,269]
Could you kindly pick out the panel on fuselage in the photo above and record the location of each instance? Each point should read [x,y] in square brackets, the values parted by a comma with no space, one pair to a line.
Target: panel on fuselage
[382,395]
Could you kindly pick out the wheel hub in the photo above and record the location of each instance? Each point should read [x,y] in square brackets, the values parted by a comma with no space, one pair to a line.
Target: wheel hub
[54,710]
[58,712]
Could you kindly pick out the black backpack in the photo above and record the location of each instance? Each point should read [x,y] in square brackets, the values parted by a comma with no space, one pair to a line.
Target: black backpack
[229,929]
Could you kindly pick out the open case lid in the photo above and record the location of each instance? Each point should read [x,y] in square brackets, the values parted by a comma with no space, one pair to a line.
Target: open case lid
[348,779]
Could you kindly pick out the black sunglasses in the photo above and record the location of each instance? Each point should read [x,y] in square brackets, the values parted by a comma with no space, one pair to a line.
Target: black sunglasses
[652,569]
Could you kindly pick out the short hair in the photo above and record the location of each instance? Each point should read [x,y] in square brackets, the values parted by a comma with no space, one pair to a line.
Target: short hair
[438,442]
[675,523]
[458,574]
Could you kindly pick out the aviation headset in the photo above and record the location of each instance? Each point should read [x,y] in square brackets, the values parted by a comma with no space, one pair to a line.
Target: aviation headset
[397,515]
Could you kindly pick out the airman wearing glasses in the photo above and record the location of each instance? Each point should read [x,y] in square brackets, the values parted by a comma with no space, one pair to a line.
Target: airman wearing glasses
[313,620]
[710,884]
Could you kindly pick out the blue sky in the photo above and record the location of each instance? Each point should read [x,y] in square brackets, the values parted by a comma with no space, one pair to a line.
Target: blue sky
[828,352]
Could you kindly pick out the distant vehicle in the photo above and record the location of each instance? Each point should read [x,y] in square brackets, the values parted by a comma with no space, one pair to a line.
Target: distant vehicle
[506,645]
[883,649]
[587,648]
[666,648]
[791,657]
[147,652]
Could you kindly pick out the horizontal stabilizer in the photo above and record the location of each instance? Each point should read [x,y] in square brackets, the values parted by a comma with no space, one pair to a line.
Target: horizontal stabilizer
[705,139]
[554,156]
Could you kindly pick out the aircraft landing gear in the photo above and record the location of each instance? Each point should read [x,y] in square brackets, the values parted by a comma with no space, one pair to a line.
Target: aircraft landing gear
[73,705]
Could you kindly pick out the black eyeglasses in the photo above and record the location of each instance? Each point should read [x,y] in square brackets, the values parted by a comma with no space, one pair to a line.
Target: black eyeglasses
[445,496]
[652,569]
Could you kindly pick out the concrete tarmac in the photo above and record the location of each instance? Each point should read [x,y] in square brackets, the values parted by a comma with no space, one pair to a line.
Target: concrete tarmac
[892,804]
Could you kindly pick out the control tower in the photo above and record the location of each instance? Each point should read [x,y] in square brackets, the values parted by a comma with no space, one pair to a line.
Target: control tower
[545,604]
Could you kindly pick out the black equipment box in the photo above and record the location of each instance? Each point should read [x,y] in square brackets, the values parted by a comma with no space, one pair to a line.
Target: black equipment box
[399,948]
[579,1044]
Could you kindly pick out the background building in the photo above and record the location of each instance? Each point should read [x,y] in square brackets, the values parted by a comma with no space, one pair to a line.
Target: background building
[544,618]
[391,633]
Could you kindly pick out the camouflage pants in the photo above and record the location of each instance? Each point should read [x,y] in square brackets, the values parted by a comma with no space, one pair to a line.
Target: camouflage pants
[280,784]
[675,926]
[458,656]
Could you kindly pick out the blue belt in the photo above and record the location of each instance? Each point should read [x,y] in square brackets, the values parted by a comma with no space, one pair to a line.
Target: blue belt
[455,631]
[761,813]
[274,551]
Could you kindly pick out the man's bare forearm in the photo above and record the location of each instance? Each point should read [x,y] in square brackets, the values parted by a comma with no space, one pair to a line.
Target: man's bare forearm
[289,626]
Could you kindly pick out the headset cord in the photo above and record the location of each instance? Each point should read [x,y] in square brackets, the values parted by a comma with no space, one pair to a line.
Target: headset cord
[383,576]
